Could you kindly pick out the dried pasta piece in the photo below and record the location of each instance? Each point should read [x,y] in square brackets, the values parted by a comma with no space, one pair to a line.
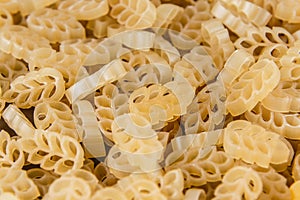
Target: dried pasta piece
[189,25]
[57,117]
[100,26]
[8,196]
[11,153]
[195,193]
[84,9]
[17,182]
[5,18]
[207,111]
[250,12]
[172,184]
[37,86]
[254,144]
[288,11]
[252,87]
[295,190]
[166,14]
[108,73]
[108,193]
[274,52]
[10,69]
[234,23]
[17,121]
[42,179]
[53,151]
[62,26]
[10,6]
[239,182]
[92,139]
[284,98]
[290,70]
[101,171]
[17,40]
[296,168]
[238,63]
[284,124]
[154,102]
[137,14]
[28,6]
[200,166]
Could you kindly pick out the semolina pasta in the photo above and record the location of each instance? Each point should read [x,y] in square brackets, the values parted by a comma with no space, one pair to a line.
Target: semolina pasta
[100,26]
[28,6]
[294,190]
[5,18]
[10,6]
[166,14]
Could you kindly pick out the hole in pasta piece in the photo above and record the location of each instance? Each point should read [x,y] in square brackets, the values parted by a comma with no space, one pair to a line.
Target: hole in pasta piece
[270,37]
[138,99]
[4,145]
[284,38]
[286,85]
[257,51]
[42,153]
[145,191]
[246,44]
[275,53]
[153,95]
[55,158]
[68,163]
[4,72]
[257,37]
[16,155]
[295,73]
[116,155]
[41,116]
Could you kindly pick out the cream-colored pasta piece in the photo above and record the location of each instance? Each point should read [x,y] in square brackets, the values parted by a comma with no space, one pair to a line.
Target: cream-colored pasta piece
[195,193]
[296,168]
[294,188]
[5,18]
[238,63]
[17,40]
[28,6]
[234,23]
[154,102]
[202,62]
[17,182]
[189,25]
[101,171]
[62,26]
[42,179]
[290,70]
[254,144]
[172,184]
[11,153]
[8,196]
[92,139]
[108,193]
[200,166]
[114,29]
[10,6]
[108,73]
[217,36]
[47,84]
[166,14]
[57,117]
[253,86]
[53,151]
[137,14]
[10,68]
[250,12]
[288,11]
[88,165]
[284,98]
[17,121]
[274,52]
[274,185]
[84,9]
[284,124]
[239,182]
[100,25]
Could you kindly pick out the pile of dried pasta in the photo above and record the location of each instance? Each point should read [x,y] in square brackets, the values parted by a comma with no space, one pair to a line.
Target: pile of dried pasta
[149,99]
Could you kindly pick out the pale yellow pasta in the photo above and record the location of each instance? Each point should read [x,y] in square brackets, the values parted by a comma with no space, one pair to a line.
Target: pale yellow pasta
[28,6]
[101,171]
[200,166]
[11,153]
[284,124]
[42,179]
[238,63]
[17,182]
[10,69]
[295,190]
[296,168]
[53,152]
[5,18]
[84,9]
[114,29]
[8,196]
[108,73]
[166,14]
[62,26]
[10,6]
[136,14]
[234,23]
[252,87]
[290,64]
[239,182]
[284,98]
[109,193]
[57,117]
[254,144]
[17,121]
[274,52]
[288,11]
[100,25]
[92,139]
[172,184]
[249,11]
[35,87]
[17,40]
[88,165]
[195,193]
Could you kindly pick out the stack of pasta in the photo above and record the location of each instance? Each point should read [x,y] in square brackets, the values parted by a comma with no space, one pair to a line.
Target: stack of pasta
[149,99]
